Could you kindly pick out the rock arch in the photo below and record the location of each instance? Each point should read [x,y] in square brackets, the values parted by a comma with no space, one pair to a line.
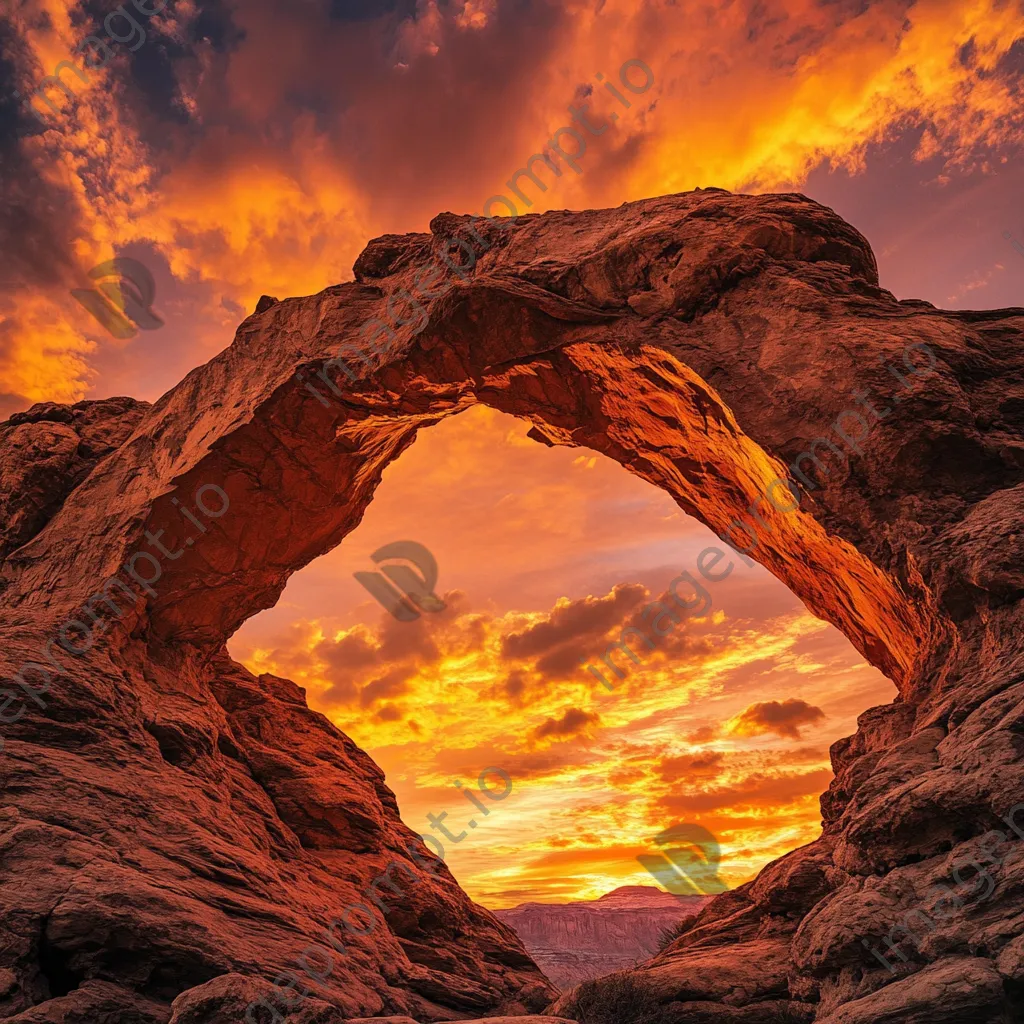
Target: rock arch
[704,341]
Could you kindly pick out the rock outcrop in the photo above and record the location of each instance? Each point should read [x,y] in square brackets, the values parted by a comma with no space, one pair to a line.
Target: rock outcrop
[46,452]
[169,820]
[581,940]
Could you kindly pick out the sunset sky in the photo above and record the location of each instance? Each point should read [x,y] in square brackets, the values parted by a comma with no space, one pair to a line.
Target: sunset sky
[253,147]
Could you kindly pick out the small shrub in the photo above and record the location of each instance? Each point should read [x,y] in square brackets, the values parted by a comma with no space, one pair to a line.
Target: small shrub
[669,935]
[617,999]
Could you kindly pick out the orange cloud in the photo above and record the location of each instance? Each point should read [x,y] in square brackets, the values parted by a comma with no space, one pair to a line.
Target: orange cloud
[561,639]
[783,719]
[575,722]
[705,765]
[256,148]
[755,791]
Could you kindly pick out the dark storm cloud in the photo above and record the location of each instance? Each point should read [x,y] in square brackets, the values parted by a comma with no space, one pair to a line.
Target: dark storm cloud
[215,25]
[10,119]
[38,220]
[153,90]
[365,10]
[148,90]
[37,233]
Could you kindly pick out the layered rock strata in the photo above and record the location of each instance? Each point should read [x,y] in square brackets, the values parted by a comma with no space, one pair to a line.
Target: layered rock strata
[582,940]
[169,820]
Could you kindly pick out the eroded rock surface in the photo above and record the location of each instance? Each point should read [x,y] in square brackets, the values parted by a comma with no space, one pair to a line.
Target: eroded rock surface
[46,451]
[171,822]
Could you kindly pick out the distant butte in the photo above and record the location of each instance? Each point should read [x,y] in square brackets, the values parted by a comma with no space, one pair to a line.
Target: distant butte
[585,939]
[175,831]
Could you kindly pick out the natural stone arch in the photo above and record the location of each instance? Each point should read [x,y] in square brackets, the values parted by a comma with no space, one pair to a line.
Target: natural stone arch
[558,341]
[703,341]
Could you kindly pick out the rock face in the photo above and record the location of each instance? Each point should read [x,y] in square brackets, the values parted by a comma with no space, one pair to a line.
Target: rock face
[574,942]
[46,452]
[169,820]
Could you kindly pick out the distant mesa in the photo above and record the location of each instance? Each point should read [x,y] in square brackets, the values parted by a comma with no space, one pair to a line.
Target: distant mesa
[585,939]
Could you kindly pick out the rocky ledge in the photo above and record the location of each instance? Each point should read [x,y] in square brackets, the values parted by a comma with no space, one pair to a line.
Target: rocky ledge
[176,834]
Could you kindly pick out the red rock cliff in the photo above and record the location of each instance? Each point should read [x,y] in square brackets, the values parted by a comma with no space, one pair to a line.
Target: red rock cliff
[168,819]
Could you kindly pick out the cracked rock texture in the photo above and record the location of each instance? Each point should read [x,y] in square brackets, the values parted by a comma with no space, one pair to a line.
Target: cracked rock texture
[175,832]
[48,451]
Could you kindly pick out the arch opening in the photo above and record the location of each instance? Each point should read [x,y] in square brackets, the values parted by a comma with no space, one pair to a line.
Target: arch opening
[299,477]
[721,717]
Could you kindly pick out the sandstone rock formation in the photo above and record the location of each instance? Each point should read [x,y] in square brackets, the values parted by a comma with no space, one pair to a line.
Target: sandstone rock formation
[169,820]
[577,941]
[46,452]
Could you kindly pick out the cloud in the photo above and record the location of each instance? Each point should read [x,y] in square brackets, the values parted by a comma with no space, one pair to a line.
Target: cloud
[393,683]
[571,621]
[758,790]
[703,766]
[256,147]
[575,722]
[784,719]
[349,652]
[388,713]
[702,734]
[600,787]
[576,631]
[514,686]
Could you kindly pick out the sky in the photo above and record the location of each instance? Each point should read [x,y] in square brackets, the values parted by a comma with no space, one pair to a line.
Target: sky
[544,555]
[253,147]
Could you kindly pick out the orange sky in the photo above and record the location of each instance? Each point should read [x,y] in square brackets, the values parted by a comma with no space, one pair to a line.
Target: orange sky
[253,147]
[557,548]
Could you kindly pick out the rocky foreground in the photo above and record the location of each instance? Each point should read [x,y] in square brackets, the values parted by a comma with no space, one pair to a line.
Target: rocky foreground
[176,834]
